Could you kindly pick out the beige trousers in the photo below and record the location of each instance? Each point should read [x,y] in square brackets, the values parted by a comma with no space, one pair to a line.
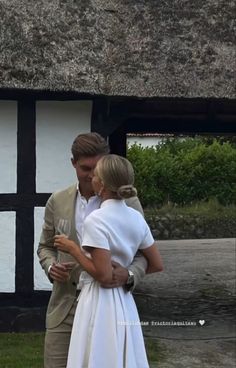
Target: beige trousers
[57,342]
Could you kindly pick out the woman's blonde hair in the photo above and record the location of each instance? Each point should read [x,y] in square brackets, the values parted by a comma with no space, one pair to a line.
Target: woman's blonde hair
[117,174]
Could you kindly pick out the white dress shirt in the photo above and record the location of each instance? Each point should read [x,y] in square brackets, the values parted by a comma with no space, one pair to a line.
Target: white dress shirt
[82,209]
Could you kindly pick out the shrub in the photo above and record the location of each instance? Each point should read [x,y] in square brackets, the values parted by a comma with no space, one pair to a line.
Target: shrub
[182,171]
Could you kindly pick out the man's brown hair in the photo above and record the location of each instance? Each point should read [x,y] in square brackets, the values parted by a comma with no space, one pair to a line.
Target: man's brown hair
[89,145]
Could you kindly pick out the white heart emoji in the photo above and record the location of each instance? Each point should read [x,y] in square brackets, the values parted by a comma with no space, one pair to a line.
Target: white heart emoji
[201,321]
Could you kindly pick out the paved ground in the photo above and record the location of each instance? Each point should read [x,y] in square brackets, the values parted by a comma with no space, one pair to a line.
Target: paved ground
[197,292]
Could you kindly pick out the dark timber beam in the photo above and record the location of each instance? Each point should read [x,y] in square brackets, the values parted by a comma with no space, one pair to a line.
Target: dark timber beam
[26,167]
[117,141]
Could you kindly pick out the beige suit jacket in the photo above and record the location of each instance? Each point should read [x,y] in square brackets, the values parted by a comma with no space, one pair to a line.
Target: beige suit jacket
[62,205]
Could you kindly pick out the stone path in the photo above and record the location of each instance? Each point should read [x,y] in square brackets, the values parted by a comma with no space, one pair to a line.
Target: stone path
[190,308]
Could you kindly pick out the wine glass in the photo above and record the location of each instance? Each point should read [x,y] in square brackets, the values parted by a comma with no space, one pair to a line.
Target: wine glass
[63,228]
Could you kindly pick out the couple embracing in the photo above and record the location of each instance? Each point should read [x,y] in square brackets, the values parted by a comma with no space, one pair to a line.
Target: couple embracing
[108,250]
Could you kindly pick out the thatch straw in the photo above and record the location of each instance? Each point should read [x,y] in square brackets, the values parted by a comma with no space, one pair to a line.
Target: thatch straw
[142,48]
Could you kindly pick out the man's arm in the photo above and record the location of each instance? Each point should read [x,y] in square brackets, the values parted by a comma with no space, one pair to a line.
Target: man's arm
[134,203]
[137,267]
[47,253]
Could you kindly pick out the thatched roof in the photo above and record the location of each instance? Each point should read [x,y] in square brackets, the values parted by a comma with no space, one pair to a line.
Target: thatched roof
[142,48]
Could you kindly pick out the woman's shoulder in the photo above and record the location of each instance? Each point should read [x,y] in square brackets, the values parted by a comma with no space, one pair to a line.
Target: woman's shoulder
[95,215]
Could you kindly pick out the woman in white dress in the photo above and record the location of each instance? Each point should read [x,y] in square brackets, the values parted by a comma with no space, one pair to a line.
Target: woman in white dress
[106,330]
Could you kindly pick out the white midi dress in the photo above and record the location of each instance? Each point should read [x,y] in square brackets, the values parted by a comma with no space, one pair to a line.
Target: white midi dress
[107,330]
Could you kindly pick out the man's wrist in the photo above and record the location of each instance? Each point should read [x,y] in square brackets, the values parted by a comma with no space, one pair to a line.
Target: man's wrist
[130,281]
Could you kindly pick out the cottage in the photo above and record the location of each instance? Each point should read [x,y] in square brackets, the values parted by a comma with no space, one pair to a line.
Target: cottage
[109,66]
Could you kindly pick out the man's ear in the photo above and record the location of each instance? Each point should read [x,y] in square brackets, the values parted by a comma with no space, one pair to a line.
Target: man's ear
[73,162]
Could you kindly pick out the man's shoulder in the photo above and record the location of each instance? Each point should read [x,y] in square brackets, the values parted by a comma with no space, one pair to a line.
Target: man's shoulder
[134,203]
[71,190]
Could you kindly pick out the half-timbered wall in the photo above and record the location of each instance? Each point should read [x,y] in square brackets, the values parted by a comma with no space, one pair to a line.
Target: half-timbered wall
[35,141]
[36,133]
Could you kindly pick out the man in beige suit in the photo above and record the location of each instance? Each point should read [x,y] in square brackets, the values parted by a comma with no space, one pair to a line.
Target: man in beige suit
[72,205]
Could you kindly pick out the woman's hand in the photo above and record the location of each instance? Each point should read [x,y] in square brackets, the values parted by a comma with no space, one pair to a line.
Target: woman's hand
[62,243]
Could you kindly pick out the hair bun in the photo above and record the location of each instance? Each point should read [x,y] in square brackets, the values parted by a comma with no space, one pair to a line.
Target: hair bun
[126,191]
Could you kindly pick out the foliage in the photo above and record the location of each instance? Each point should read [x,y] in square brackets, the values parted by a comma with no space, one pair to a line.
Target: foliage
[185,170]
[211,209]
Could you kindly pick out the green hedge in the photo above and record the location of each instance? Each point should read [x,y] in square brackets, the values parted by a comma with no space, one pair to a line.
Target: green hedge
[184,171]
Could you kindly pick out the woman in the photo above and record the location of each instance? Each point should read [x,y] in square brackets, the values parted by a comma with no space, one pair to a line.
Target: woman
[106,331]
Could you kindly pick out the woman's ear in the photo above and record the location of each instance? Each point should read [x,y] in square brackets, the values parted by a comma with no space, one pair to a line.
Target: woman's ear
[100,192]
[101,189]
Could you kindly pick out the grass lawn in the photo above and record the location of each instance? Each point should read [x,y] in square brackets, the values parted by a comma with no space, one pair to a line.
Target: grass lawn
[25,350]
[21,350]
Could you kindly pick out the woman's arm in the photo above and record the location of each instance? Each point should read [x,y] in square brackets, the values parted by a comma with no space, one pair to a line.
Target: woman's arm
[99,267]
[154,258]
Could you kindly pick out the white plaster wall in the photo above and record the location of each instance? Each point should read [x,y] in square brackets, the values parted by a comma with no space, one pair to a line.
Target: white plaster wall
[8,146]
[143,141]
[7,252]
[41,281]
[57,124]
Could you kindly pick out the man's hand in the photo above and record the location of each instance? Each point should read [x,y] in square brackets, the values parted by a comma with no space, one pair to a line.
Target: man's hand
[61,271]
[64,244]
[119,276]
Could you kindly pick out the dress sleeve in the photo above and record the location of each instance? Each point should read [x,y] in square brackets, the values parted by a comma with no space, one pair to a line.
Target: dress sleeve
[95,234]
[148,239]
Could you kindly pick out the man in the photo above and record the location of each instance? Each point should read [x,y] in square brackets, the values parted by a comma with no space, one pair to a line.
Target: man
[73,205]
